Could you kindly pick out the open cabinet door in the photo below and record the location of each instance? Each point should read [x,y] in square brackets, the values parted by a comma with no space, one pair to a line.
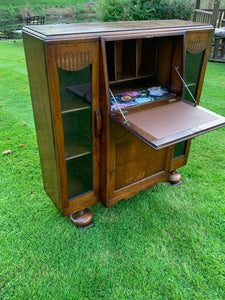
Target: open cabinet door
[176,116]
[168,122]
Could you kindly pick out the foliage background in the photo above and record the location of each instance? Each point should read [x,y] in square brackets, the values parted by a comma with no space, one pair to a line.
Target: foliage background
[117,10]
[107,10]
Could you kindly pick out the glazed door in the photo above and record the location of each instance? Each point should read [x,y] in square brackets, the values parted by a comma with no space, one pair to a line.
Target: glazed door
[197,47]
[73,76]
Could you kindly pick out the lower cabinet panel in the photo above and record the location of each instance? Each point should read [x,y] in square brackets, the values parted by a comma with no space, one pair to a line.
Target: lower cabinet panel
[132,160]
[135,161]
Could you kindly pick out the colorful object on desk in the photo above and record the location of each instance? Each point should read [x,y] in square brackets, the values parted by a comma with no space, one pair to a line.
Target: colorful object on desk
[131,94]
[117,106]
[142,100]
[126,98]
[157,91]
[138,97]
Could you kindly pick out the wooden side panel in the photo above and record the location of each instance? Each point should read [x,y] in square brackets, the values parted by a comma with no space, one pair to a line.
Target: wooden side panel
[176,84]
[165,52]
[105,137]
[36,64]
[146,56]
[170,55]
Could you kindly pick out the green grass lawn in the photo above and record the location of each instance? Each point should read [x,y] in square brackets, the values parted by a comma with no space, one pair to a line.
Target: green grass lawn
[47,3]
[22,8]
[166,243]
[40,3]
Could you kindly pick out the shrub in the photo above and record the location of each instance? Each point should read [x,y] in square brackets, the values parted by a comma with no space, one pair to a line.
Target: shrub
[145,10]
[113,10]
[121,10]
[180,10]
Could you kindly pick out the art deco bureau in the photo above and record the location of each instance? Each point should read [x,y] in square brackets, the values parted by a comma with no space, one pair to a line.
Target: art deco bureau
[115,106]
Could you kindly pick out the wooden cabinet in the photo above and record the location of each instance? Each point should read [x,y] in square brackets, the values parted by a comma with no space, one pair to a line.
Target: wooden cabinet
[115,106]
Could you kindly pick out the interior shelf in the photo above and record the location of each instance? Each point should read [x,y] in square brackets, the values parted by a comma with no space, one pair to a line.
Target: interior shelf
[71,103]
[74,109]
[126,78]
[77,142]
[192,84]
[130,60]
[76,150]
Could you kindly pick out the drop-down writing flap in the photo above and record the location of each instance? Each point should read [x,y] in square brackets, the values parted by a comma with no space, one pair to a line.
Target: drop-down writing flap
[167,122]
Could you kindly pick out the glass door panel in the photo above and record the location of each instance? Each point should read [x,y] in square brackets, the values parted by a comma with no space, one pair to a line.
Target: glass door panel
[193,64]
[79,175]
[76,109]
[179,149]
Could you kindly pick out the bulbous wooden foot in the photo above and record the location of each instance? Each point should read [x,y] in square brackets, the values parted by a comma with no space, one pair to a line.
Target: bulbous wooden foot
[175,178]
[82,218]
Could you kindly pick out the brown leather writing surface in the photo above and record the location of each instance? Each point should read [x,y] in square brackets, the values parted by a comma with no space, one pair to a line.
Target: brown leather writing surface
[169,122]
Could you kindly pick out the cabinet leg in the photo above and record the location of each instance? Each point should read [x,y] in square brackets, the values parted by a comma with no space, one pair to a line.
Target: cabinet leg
[82,218]
[175,178]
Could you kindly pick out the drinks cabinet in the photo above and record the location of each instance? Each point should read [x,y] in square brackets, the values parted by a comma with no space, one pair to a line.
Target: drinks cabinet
[115,107]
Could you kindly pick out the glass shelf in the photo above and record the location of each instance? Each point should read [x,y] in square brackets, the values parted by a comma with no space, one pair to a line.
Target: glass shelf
[76,150]
[72,103]
[77,133]
[192,84]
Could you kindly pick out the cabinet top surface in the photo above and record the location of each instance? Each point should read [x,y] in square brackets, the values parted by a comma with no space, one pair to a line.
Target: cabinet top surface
[105,27]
